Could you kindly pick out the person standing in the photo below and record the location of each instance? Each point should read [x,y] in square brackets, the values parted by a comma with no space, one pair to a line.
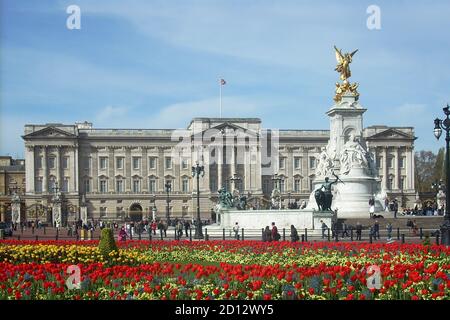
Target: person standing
[395,208]
[187,227]
[275,234]
[376,230]
[267,236]
[344,230]
[324,228]
[389,231]
[236,231]
[294,234]
[371,207]
[122,234]
[358,231]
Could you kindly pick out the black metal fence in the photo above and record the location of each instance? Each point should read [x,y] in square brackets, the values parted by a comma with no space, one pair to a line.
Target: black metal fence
[215,233]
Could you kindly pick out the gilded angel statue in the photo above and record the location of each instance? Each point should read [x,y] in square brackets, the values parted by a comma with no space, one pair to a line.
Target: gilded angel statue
[343,66]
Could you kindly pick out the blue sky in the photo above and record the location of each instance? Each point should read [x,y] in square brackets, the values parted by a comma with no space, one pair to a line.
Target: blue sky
[156,64]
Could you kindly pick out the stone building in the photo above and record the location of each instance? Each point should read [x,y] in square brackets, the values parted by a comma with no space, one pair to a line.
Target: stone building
[120,173]
[12,180]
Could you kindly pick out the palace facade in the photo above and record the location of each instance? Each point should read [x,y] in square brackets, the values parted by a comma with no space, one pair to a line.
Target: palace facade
[120,173]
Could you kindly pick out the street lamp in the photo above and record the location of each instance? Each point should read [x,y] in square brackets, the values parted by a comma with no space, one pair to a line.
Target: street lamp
[440,125]
[196,172]
[276,179]
[168,187]
[154,208]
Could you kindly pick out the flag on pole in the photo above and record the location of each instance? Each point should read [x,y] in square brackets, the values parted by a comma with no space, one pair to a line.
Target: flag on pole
[223,82]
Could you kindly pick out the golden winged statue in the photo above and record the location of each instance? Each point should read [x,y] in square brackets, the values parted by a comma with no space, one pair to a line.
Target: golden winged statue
[343,67]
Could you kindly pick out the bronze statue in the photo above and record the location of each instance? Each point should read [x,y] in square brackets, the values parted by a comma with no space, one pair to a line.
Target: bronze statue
[324,198]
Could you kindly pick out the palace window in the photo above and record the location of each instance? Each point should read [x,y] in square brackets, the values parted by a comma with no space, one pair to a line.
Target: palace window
[168,163]
[297,162]
[119,163]
[379,162]
[103,186]
[65,162]
[103,163]
[213,184]
[65,186]
[312,162]
[136,185]
[152,185]
[152,163]
[87,185]
[39,185]
[136,163]
[103,211]
[390,162]
[184,163]
[402,162]
[87,163]
[119,185]
[297,185]
[51,162]
[51,185]
[391,183]
[402,183]
[185,185]
[282,185]
[281,162]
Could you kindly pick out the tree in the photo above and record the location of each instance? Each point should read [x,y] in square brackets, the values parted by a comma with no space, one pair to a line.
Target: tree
[440,166]
[425,163]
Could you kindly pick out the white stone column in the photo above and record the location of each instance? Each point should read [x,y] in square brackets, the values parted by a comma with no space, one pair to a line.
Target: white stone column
[161,163]
[75,169]
[29,169]
[219,166]
[397,169]
[258,169]
[206,160]
[144,164]
[111,165]
[233,160]
[247,170]
[44,170]
[127,164]
[290,171]
[58,166]
[385,168]
[411,177]
[94,168]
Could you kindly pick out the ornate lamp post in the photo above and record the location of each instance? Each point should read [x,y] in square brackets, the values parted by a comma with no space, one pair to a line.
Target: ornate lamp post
[154,208]
[196,172]
[276,179]
[168,187]
[440,125]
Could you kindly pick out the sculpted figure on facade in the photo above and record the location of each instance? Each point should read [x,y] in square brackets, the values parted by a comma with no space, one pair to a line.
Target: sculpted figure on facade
[325,165]
[354,156]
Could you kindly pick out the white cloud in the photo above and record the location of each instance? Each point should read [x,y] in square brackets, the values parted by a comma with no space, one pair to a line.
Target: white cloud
[111,113]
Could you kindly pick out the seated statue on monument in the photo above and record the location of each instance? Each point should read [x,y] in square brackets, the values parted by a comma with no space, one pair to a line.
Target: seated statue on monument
[225,199]
[354,156]
[324,197]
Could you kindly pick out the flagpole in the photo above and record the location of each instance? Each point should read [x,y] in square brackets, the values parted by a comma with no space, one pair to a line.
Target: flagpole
[220,98]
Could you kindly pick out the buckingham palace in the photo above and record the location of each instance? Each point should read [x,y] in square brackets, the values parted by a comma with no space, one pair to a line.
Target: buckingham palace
[116,174]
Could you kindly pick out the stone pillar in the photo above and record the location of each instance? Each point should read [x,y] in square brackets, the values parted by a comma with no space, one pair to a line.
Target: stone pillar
[206,160]
[29,170]
[44,170]
[412,169]
[247,169]
[161,163]
[397,169]
[385,169]
[144,164]
[258,177]
[75,170]
[58,166]
[111,164]
[233,160]
[127,165]
[94,165]
[290,171]
[219,167]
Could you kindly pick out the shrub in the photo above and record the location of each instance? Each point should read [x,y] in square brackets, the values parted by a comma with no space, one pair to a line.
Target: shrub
[107,243]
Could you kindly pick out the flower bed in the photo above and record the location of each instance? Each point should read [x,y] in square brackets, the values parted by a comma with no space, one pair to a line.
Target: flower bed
[223,270]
